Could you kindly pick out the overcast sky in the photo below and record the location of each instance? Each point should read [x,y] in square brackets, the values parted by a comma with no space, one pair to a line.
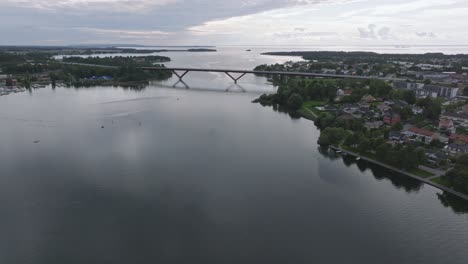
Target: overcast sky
[234,22]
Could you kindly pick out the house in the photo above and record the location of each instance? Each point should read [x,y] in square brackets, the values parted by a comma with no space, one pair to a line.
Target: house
[383,107]
[435,158]
[347,92]
[368,98]
[458,118]
[417,110]
[457,149]
[396,103]
[459,139]
[391,119]
[396,136]
[346,117]
[422,135]
[447,125]
[350,108]
[364,106]
[330,108]
[373,125]
[11,82]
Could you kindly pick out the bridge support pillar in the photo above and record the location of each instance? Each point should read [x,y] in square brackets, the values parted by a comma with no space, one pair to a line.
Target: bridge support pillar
[235,79]
[180,75]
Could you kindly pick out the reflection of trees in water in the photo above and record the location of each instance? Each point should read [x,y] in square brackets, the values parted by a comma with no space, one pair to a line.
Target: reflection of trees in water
[281,109]
[133,87]
[398,180]
[457,204]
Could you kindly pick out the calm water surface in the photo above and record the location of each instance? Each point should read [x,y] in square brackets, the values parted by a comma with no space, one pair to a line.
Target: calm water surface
[201,176]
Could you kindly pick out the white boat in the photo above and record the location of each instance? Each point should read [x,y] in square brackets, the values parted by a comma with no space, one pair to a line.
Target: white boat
[358,158]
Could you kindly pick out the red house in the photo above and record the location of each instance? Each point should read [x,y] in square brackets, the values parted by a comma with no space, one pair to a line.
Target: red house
[460,139]
[391,119]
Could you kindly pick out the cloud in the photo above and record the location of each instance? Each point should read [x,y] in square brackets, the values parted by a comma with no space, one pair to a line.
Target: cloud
[215,22]
[426,34]
[373,32]
[127,6]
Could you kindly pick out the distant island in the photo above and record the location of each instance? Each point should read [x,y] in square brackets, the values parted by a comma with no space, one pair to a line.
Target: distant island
[30,67]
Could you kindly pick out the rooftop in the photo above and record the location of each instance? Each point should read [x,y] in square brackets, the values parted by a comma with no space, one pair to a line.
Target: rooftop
[421,131]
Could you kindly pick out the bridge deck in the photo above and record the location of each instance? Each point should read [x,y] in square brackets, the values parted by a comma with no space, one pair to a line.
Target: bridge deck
[243,72]
[284,73]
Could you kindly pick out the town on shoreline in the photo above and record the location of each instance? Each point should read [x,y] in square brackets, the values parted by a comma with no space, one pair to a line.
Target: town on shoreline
[418,125]
[23,68]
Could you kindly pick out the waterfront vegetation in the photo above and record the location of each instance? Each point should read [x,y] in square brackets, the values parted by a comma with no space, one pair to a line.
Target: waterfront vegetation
[307,96]
[380,62]
[127,72]
[31,67]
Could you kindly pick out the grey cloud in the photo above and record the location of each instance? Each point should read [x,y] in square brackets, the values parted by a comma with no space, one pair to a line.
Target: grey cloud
[426,34]
[384,33]
[373,32]
[368,33]
[37,16]
[303,35]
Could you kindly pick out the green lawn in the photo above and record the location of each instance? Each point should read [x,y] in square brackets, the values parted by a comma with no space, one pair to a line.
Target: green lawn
[313,104]
[309,111]
[441,181]
[308,114]
[421,173]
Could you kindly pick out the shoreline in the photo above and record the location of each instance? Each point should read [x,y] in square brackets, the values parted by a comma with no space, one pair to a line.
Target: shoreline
[411,175]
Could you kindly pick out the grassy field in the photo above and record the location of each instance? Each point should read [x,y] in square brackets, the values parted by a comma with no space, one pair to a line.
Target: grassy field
[442,181]
[309,111]
[312,104]
[422,173]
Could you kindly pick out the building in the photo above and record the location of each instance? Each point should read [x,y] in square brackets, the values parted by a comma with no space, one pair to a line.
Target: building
[437,91]
[403,85]
[391,119]
[350,108]
[457,149]
[459,139]
[459,118]
[11,82]
[373,125]
[417,110]
[448,92]
[384,107]
[368,98]
[436,158]
[396,137]
[447,125]
[422,135]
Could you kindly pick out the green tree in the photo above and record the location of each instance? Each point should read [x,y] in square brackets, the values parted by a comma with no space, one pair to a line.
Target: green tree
[295,102]
[409,97]
[364,145]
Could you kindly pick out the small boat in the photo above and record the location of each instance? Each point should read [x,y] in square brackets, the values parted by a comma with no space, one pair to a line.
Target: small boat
[339,151]
[358,158]
[249,50]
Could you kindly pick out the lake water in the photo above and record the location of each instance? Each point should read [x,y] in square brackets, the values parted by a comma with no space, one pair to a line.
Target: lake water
[201,175]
